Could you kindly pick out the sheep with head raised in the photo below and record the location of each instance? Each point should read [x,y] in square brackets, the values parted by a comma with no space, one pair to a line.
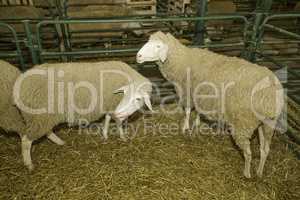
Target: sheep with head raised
[244,95]
[52,94]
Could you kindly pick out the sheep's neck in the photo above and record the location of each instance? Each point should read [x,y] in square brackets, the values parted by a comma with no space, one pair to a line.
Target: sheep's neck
[174,67]
[165,69]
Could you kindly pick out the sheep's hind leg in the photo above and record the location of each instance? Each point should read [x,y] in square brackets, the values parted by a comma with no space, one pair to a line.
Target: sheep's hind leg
[26,148]
[265,137]
[248,156]
[244,144]
[106,126]
[197,121]
[55,139]
[186,125]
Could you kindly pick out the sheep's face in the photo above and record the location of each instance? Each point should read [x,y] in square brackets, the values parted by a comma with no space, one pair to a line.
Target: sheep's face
[153,50]
[133,100]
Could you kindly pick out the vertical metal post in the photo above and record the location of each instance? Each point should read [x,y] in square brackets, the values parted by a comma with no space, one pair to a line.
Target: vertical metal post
[30,43]
[61,6]
[262,9]
[254,36]
[19,52]
[17,43]
[200,25]
[264,5]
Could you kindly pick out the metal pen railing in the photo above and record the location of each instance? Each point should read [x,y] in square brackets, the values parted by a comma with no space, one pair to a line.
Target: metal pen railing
[38,48]
[18,52]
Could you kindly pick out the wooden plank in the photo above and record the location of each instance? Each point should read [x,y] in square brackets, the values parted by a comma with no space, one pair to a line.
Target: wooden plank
[43,4]
[16,2]
[140,2]
[143,9]
[178,6]
[94,2]
[99,11]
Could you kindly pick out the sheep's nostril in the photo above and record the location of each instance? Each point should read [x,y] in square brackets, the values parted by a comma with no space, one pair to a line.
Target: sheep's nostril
[139,56]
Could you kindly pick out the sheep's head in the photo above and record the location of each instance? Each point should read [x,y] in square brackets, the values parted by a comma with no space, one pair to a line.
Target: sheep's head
[153,50]
[135,96]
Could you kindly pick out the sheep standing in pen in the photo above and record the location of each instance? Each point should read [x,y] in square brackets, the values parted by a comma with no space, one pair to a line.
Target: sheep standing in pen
[52,94]
[11,119]
[244,95]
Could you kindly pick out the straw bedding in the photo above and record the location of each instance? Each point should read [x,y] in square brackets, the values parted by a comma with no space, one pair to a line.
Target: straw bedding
[154,165]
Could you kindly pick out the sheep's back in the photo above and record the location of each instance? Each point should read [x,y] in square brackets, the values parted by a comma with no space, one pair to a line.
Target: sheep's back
[104,77]
[243,84]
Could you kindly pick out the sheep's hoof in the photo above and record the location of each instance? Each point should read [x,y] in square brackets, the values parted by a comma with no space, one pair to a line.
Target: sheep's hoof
[105,141]
[185,130]
[259,173]
[124,139]
[30,167]
[247,174]
[188,132]
[61,143]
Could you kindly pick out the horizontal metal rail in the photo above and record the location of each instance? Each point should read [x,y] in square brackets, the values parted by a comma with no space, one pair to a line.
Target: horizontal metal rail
[43,53]
[279,30]
[276,16]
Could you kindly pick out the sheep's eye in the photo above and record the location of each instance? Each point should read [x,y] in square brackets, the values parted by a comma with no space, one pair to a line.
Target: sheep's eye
[158,46]
[138,99]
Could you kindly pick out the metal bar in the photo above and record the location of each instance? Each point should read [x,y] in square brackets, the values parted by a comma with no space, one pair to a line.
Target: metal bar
[280,59]
[280,30]
[30,43]
[129,50]
[200,25]
[18,52]
[264,5]
[9,55]
[262,8]
[290,15]
[102,51]
[281,41]
[170,19]
[255,41]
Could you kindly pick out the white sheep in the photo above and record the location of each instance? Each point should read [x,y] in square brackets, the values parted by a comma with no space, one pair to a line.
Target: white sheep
[52,94]
[244,95]
[10,118]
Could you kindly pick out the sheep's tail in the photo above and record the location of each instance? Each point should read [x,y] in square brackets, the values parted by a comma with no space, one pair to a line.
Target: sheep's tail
[281,125]
[279,120]
[287,117]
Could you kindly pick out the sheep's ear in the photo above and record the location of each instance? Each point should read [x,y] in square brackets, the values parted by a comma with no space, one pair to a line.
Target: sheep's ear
[123,90]
[164,53]
[148,102]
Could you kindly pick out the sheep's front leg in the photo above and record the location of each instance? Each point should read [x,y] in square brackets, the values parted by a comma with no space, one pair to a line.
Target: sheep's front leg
[106,126]
[55,139]
[248,157]
[26,148]
[121,131]
[186,124]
